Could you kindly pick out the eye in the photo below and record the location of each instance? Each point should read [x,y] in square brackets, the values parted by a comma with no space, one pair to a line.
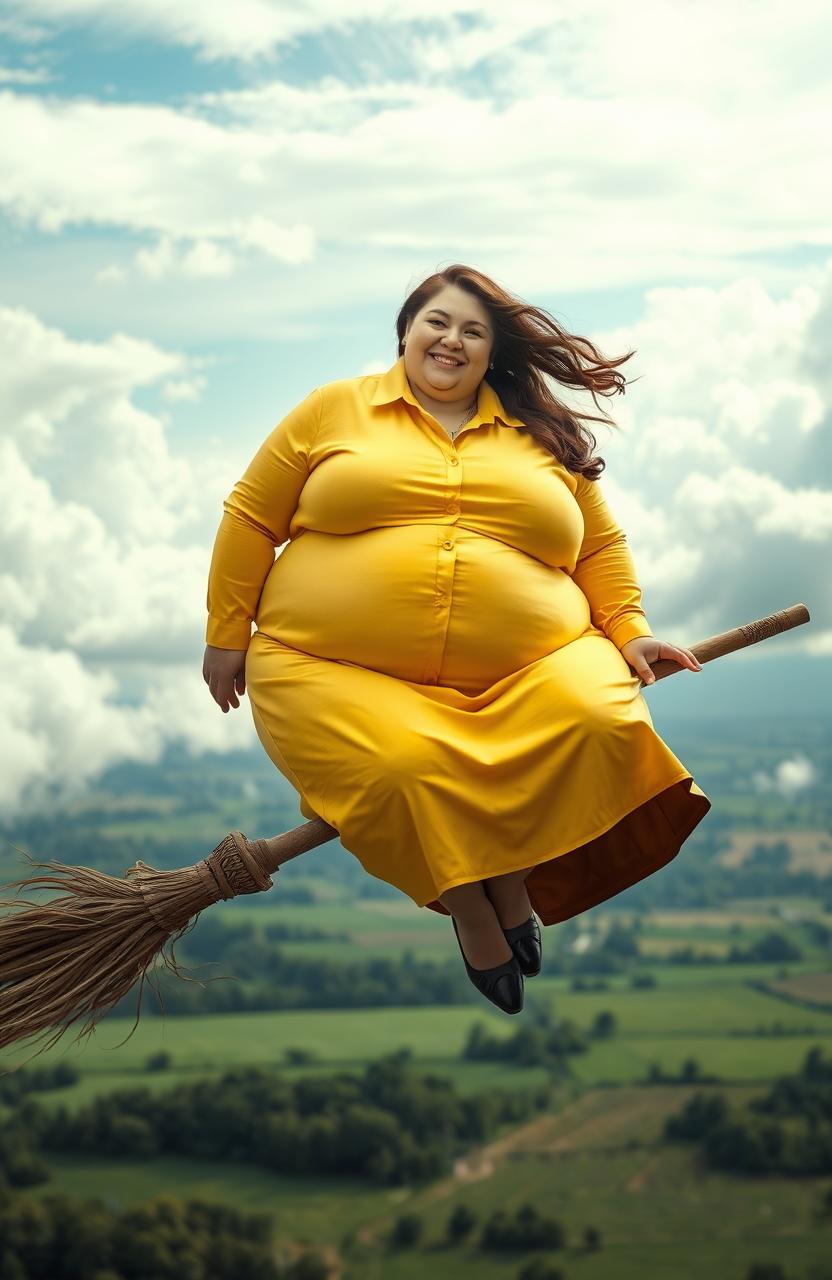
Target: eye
[474,332]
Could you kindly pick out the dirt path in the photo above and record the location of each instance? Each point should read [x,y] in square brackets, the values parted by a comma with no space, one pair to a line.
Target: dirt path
[605,1119]
[477,1164]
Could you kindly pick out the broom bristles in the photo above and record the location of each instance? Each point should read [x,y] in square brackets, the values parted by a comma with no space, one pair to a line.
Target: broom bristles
[78,954]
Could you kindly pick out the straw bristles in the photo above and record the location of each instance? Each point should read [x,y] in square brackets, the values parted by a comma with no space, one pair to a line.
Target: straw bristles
[78,954]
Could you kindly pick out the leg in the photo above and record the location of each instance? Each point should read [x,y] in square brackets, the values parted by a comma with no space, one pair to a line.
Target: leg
[480,932]
[509,898]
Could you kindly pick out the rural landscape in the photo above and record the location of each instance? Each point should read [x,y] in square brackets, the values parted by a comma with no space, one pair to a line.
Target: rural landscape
[327,1096]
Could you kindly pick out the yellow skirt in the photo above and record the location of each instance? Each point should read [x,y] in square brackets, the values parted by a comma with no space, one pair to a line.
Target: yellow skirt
[555,767]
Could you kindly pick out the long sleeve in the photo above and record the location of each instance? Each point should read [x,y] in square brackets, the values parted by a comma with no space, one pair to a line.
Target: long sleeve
[605,570]
[256,519]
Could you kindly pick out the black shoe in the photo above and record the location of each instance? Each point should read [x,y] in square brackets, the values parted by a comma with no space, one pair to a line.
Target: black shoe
[502,984]
[524,940]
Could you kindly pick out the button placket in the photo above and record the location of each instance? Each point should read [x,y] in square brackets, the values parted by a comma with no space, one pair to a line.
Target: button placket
[452,504]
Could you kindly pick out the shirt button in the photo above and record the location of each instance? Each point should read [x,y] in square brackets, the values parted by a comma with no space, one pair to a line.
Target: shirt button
[447,545]
[454,462]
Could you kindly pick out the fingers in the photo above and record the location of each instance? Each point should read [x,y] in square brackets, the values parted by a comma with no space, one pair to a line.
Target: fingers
[223,692]
[223,670]
[683,656]
[690,660]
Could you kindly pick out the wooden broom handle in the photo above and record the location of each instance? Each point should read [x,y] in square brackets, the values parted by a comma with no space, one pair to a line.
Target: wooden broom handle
[279,849]
[736,638]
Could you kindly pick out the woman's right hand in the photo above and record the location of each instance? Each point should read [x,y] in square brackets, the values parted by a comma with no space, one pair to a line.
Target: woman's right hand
[224,672]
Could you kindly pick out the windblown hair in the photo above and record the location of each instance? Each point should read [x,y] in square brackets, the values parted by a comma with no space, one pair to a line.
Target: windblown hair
[528,344]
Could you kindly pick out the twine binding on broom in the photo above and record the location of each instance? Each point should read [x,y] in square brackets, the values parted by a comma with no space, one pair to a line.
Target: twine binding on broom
[78,954]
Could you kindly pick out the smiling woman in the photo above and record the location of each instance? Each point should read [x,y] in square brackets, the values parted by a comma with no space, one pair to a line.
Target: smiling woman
[437,666]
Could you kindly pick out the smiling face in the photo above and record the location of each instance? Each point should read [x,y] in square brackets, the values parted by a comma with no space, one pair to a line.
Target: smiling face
[454,323]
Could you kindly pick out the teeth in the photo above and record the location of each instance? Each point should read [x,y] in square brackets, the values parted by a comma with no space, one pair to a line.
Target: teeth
[444,360]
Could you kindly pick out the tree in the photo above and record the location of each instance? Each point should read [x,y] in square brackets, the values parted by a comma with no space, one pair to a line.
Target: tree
[407,1231]
[592,1238]
[604,1025]
[460,1224]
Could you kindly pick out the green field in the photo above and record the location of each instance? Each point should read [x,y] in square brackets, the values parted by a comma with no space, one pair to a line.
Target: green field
[595,1159]
[596,1162]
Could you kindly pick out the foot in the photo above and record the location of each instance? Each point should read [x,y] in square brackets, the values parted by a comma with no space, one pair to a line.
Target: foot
[510,900]
[482,939]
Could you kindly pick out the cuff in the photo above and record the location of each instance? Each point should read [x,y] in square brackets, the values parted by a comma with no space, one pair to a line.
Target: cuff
[629,629]
[228,633]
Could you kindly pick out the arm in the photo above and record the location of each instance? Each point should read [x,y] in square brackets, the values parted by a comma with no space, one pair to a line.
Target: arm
[605,571]
[256,519]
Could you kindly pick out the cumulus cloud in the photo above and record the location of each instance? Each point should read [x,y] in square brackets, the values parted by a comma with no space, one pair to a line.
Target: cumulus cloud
[63,723]
[582,153]
[202,258]
[720,470]
[105,537]
[788,778]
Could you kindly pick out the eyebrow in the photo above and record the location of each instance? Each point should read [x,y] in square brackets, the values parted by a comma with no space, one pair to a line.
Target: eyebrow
[440,312]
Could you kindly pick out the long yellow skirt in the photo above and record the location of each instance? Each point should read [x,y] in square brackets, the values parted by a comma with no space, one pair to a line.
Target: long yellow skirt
[555,767]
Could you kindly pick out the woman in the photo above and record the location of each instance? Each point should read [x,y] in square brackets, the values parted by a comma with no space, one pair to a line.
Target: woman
[444,659]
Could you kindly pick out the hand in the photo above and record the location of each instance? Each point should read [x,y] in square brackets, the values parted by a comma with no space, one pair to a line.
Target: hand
[224,671]
[643,650]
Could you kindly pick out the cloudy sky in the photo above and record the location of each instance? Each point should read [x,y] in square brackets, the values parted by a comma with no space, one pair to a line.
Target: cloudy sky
[209,209]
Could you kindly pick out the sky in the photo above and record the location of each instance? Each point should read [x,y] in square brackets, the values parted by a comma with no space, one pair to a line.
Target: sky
[207,210]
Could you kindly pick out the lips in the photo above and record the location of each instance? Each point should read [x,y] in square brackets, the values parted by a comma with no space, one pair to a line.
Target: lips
[455,365]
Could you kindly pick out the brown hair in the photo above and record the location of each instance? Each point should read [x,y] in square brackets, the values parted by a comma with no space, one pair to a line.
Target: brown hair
[529,343]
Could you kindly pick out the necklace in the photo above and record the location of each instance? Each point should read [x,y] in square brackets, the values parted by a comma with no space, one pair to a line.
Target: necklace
[469,415]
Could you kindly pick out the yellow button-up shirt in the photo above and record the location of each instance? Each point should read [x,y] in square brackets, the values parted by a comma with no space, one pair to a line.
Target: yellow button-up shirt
[435,560]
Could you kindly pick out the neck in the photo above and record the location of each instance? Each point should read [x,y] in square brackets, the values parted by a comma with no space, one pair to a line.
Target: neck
[450,407]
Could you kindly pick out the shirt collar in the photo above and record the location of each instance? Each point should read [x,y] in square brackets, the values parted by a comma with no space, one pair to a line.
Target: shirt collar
[394,385]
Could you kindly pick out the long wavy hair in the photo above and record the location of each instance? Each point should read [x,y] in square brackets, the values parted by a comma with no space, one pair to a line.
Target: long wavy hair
[529,343]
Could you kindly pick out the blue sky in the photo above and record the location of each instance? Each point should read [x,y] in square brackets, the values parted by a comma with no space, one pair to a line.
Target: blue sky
[207,210]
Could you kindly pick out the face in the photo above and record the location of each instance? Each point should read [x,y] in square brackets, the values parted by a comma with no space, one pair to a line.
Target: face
[456,323]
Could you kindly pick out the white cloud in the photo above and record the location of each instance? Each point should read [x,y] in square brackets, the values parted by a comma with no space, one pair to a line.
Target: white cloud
[63,725]
[182,389]
[789,778]
[203,258]
[112,274]
[720,469]
[585,155]
[106,539]
[248,30]
[24,75]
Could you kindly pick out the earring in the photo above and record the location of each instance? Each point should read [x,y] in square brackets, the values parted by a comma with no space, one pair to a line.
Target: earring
[491,366]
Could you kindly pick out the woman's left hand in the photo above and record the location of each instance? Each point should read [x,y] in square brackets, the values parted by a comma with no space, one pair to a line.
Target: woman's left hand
[643,650]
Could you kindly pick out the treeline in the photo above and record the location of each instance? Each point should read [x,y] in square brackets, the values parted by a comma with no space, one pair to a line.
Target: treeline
[390,1125]
[255,975]
[241,967]
[785,1131]
[772,948]
[542,1040]
[166,1238]
[696,880]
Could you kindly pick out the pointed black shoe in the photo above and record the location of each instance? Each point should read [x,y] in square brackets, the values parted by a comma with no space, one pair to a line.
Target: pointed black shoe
[502,984]
[524,940]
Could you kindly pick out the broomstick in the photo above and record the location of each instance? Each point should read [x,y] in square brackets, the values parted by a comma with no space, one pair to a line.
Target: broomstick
[77,955]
